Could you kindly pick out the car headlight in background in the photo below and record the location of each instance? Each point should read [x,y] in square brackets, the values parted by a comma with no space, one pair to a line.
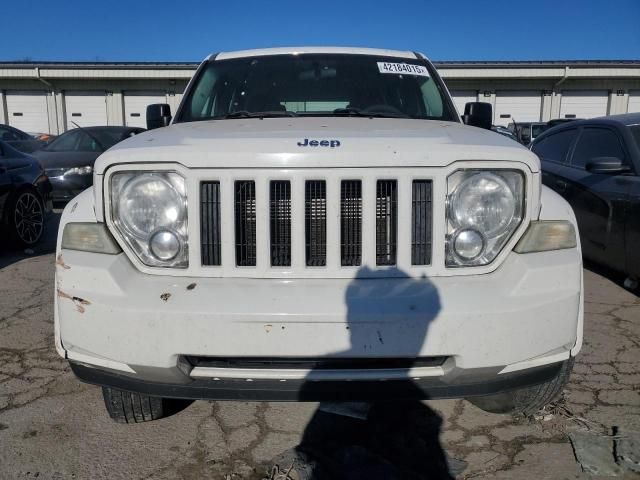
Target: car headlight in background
[484,208]
[150,212]
[87,170]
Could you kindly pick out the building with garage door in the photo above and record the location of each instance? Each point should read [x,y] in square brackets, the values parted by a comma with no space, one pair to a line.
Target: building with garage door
[53,97]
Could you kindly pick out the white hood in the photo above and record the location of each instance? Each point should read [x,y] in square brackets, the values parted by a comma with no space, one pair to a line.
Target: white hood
[273,143]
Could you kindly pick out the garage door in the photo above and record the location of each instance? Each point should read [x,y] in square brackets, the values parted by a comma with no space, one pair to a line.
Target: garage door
[634,101]
[584,104]
[518,105]
[135,106]
[85,108]
[28,111]
[462,97]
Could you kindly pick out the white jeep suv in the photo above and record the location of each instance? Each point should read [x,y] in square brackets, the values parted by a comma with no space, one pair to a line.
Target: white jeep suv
[318,224]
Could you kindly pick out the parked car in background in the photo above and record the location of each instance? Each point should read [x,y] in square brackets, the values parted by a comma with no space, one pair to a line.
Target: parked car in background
[594,164]
[505,131]
[68,160]
[20,140]
[527,132]
[24,196]
[559,121]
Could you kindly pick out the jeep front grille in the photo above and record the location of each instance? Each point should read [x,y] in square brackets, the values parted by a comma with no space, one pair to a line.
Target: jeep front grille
[335,223]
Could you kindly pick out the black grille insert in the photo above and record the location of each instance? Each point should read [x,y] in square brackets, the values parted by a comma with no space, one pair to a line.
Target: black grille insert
[280,219]
[245,212]
[351,223]
[386,222]
[315,222]
[421,223]
[321,363]
[210,241]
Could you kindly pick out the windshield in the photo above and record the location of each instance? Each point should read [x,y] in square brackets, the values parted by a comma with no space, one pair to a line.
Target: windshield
[317,85]
[86,140]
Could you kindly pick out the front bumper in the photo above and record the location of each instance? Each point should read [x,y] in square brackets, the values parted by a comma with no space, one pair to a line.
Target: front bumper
[117,321]
[65,188]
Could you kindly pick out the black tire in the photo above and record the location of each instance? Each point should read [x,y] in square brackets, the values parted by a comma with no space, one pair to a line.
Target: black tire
[128,407]
[25,218]
[529,400]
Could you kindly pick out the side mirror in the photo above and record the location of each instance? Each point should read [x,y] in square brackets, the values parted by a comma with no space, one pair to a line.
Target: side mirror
[607,165]
[478,114]
[158,115]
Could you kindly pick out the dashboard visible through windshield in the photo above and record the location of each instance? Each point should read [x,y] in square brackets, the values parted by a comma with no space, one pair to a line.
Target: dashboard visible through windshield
[317,85]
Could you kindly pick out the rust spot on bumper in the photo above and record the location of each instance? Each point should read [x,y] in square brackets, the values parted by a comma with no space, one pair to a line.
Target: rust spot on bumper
[165,296]
[60,262]
[80,303]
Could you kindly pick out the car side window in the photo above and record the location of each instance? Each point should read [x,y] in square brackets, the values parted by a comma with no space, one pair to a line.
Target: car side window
[556,146]
[596,142]
[88,144]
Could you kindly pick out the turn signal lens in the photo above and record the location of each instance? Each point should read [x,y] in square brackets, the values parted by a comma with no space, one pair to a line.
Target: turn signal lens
[89,237]
[545,235]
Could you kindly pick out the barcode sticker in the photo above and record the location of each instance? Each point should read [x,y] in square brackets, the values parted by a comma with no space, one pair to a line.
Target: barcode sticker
[403,69]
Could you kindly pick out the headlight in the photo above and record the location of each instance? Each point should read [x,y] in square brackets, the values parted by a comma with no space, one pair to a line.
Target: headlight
[484,208]
[79,171]
[150,212]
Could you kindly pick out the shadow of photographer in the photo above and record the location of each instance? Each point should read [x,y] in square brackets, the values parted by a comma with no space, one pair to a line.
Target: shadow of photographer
[397,435]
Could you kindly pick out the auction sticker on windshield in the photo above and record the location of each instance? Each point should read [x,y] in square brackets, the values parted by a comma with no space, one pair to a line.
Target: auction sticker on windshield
[403,68]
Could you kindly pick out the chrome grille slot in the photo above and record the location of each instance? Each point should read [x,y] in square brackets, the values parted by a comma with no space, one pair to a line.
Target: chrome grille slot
[421,222]
[350,223]
[245,223]
[280,223]
[315,223]
[210,240]
[386,222]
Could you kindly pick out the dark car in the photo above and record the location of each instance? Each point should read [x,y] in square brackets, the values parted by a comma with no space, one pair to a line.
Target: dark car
[594,164]
[527,132]
[24,196]
[20,140]
[68,160]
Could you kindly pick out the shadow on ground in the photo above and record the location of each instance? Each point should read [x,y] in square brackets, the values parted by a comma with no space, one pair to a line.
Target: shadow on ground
[610,274]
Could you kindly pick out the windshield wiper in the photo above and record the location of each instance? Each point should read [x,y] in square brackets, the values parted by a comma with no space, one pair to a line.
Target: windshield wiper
[266,114]
[356,112]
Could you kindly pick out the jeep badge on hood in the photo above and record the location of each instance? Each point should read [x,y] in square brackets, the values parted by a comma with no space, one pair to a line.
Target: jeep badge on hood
[319,143]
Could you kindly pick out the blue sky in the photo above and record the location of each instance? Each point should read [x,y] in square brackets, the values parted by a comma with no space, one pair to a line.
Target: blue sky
[163,30]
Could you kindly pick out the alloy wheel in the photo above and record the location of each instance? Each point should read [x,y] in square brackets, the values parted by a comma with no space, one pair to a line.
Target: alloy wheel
[28,218]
